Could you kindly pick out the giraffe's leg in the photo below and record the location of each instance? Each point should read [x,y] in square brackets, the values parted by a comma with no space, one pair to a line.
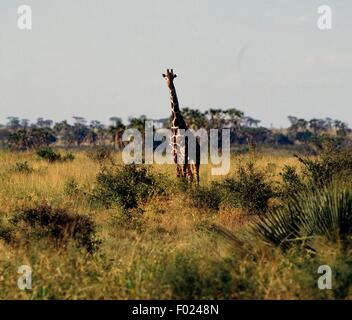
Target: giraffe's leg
[197,162]
[185,159]
[174,153]
[190,173]
[178,171]
[196,169]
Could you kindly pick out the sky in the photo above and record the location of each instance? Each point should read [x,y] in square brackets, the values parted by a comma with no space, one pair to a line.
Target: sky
[104,58]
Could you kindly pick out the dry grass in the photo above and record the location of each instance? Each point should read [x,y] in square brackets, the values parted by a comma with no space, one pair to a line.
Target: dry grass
[167,255]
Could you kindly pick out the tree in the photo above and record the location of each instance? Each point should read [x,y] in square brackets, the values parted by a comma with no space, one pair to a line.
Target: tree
[250,122]
[216,118]
[341,128]
[97,132]
[13,123]
[116,131]
[304,136]
[194,118]
[42,123]
[79,130]
[63,129]
[24,123]
[24,139]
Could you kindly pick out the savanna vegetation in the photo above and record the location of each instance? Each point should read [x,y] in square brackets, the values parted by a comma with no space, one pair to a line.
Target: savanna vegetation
[94,228]
[91,227]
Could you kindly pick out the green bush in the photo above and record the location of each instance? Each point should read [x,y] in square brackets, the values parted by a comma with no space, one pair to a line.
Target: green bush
[322,212]
[126,186]
[249,190]
[5,232]
[68,156]
[100,153]
[292,182]
[188,280]
[50,155]
[206,197]
[58,224]
[22,167]
[332,163]
[71,187]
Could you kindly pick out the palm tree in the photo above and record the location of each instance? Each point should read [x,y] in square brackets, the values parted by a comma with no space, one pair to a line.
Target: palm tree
[216,120]
[116,131]
[195,119]
[234,117]
[13,124]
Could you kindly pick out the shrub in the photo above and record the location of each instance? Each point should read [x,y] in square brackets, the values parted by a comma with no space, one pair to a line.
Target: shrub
[69,156]
[125,186]
[292,182]
[189,281]
[323,212]
[205,197]
[71,187]
[100,153]
[333,162]
[22,167]
[250,190]
[5,232]
[48,154]
[57,224]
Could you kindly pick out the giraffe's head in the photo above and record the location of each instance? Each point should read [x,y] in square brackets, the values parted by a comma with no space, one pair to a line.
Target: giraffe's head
[169,77]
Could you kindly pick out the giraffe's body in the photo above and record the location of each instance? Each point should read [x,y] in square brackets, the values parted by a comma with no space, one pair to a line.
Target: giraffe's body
[187,163]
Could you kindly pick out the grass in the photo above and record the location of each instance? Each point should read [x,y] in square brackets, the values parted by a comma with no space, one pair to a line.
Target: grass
[165,251]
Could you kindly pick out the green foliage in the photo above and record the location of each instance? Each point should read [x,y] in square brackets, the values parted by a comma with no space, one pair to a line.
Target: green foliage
[22,167]
[100,153]
[71,187]
[5,232]
[48,154]
[206,197]
[125,186]
[187,280]
[322,212]
[28,138]
[292,182]
[249,190]
[281,139]
[58,224]
[68,156]
[51,156]
[332,163]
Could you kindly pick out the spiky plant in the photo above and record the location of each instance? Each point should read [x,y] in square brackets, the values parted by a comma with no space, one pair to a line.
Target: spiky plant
[324,212]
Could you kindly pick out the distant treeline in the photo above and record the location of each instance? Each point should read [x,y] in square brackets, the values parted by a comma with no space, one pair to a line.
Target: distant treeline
[20,134]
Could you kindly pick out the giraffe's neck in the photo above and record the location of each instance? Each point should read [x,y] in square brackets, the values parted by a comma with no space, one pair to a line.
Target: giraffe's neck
[177,120]
[179,152]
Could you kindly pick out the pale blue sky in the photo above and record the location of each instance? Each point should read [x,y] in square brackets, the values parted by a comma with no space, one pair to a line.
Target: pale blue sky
[102,58]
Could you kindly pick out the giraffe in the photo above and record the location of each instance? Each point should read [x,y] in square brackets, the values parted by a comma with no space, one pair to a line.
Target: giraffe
[190,162]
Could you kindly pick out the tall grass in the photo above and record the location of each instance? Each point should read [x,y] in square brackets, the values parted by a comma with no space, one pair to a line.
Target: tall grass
[169,254]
